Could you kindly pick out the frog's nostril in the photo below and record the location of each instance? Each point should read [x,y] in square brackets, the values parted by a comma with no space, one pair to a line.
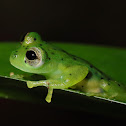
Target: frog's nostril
[14,54]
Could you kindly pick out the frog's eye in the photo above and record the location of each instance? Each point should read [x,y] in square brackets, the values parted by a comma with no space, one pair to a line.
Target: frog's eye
[33,57]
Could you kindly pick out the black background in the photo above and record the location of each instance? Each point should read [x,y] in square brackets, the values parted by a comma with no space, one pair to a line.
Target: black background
[84,21]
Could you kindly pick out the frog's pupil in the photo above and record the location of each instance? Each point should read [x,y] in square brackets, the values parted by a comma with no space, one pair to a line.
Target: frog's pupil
[31,55]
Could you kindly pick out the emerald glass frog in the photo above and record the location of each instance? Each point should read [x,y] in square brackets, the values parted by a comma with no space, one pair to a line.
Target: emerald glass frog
[62,70]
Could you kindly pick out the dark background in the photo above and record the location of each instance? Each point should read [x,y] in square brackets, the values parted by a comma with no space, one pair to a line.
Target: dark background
[86,21]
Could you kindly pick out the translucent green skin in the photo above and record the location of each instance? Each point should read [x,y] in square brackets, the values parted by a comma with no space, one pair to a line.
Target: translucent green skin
[63,70]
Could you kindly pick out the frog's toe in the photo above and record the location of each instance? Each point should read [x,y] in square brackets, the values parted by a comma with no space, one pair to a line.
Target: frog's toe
[30,84]
[49,95]
[48,99]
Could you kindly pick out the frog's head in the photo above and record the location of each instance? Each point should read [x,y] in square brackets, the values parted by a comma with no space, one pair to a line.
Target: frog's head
[30,56]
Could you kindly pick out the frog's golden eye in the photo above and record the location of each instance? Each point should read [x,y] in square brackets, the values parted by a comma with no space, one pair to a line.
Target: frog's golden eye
[33,57]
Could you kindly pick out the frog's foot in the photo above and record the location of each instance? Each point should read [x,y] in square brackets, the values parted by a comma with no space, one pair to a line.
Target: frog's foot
[49,95]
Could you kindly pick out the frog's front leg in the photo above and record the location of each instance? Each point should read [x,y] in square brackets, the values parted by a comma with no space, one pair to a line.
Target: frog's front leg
[32,84]
[47,83]
[50,84]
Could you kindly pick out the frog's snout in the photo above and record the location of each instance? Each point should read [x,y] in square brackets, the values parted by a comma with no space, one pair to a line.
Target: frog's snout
[13,57]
